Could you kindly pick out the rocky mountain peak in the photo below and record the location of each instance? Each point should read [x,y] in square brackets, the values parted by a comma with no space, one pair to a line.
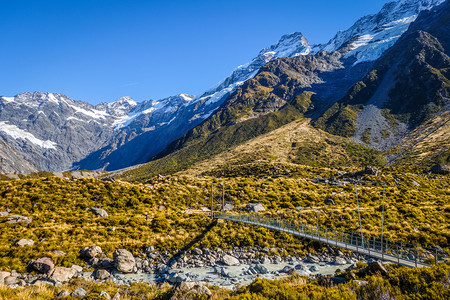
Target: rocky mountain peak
[121,106]
[372,35]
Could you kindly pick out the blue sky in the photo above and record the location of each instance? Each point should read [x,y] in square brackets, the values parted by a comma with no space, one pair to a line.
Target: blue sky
[100,50]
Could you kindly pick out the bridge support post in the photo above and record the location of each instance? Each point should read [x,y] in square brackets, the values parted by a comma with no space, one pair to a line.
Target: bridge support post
[398,254]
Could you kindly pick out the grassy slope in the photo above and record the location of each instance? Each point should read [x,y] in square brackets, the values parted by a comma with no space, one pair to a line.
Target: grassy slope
[426,145]
[61,221]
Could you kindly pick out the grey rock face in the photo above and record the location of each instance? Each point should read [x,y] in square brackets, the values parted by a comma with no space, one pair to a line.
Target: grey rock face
[230,260]
[61,274]
[101,274]
[90,252]
[124,261]
[25,242]
[79,293]
[41,265]
[100,212]
[3,275]
[254,207]
[17,219]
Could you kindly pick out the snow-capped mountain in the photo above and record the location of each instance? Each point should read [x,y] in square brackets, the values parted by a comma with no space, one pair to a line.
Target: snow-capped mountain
[289,45]
[53,132]
[372,35]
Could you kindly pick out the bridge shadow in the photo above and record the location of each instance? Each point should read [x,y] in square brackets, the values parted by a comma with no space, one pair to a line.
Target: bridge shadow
[194,241]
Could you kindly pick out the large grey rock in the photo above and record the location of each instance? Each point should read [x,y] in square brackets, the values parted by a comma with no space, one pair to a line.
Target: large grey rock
[101,274]
[3,275]
[79,293]
[339,261]
[18,218]
[230,260]
[254,207]
[100,212]
[197,251]
[41,265]
[77,268]
[25,242]
[61,274]
[124,261]
[10,280]
[312,259]
[3,213]
[90,252]
[288,270]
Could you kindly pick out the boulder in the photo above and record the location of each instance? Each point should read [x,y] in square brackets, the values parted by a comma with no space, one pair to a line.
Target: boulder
[90,252]
[101,274]
[77,268]
[61,274]
[339,261]
[197,251]
[374,268]
[228,206]
[312,259]
[24,242]
[10,280]
[3,275]
[59,252]
[79,293]
[124,261]
[254,207]
[288,270]
[313,269]
[261,269]
[440,169]
[99,212]
[17,218]
[230,260]
[3,213]
[191,290]
[41,265]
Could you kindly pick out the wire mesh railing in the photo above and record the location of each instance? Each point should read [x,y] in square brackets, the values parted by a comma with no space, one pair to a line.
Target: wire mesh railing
[401,253]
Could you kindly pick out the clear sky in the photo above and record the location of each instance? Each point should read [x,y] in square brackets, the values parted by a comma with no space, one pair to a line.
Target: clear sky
[100,50]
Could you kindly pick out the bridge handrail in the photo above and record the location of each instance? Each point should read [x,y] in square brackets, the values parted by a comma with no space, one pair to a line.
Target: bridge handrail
[367,244]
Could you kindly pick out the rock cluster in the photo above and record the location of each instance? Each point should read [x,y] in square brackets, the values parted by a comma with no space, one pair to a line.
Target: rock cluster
[174,269]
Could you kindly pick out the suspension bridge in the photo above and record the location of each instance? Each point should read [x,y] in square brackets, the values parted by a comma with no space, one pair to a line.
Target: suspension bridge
[375,247]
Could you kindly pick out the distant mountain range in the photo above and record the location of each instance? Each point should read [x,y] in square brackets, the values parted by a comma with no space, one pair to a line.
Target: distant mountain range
[372,83]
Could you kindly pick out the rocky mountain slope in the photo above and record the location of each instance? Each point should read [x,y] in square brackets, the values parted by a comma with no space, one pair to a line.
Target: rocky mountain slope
[285,90]
[408,86]
[53,132]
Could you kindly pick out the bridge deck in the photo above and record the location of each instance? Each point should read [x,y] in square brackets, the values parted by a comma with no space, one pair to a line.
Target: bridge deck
[406,256]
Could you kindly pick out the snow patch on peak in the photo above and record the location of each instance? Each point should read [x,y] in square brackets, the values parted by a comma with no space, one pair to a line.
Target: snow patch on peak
[372,35]
[50,97]
[187,97]
[17,133]
[8,99]
[289,45]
